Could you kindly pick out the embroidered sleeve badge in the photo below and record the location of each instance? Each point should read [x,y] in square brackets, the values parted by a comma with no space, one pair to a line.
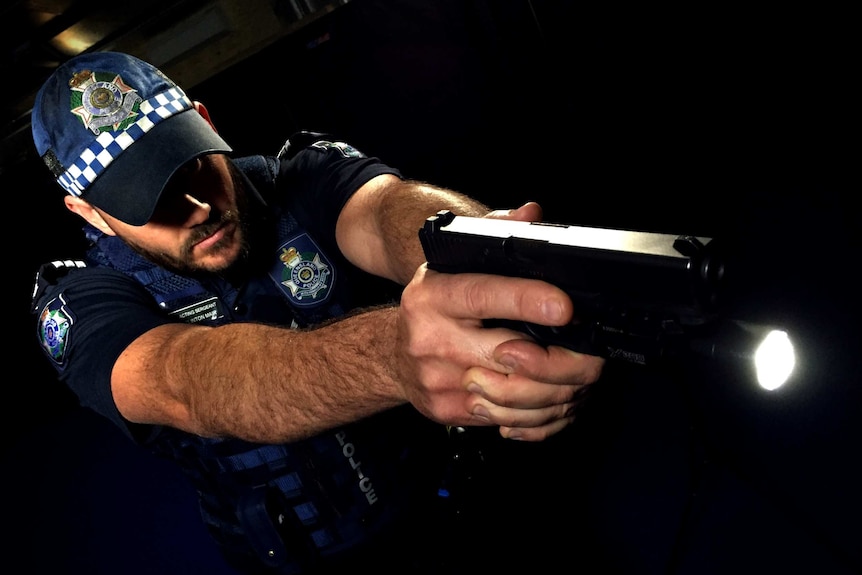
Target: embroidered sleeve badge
[346,150]
[55,323]
[302,272]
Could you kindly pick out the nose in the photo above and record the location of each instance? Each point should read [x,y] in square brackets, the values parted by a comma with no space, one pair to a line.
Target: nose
[200,211]
[197,203]
[180,203]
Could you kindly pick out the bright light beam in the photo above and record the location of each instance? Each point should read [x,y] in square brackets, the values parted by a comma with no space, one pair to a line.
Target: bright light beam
[774,360]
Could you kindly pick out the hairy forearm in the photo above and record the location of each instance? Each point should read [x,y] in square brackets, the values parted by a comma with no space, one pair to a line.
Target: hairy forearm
[378,229]
[403,212]
[271,384]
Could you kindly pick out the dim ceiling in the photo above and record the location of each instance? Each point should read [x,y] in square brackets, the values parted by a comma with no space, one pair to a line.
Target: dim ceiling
[191,40]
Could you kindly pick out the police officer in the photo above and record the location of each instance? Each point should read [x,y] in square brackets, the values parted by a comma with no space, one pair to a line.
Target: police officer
[267,322]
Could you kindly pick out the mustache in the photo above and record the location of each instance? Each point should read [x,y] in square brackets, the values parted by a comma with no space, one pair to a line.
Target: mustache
[211,226]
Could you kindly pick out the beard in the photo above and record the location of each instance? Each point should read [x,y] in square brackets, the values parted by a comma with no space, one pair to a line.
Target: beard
[183,262]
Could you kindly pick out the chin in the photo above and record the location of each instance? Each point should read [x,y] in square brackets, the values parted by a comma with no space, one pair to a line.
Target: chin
[217,264]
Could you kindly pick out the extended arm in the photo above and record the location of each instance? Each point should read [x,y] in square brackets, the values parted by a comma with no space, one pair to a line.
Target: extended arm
[272,384]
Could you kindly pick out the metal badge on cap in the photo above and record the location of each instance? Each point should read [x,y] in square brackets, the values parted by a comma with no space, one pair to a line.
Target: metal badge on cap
[113,110]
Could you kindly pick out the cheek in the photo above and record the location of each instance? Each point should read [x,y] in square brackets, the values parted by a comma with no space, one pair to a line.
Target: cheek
[155,238]
[226,199]
[173,212]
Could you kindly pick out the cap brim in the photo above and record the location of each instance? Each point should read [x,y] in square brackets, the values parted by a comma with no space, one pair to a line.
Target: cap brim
[130,187]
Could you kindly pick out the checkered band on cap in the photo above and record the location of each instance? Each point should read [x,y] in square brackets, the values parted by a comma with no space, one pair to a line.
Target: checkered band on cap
[108,145]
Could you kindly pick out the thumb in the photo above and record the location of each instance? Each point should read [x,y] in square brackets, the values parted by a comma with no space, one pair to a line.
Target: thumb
[529,212]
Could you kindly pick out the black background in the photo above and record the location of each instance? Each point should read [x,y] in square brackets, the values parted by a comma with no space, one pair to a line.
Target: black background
[728,123]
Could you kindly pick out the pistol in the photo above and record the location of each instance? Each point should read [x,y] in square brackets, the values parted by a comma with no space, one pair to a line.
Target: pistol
[641,297]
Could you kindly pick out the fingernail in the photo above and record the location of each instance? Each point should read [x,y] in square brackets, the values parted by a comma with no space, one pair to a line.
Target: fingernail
[552,310]
[482,413]
[509,361]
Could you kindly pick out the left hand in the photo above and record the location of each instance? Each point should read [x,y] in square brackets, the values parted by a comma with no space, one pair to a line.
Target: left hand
[459,372]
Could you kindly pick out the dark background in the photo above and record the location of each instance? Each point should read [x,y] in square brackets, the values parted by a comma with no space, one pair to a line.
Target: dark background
[730,123]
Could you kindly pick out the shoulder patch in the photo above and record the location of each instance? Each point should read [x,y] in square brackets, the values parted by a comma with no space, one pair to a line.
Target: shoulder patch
[346,150]
[55,325]
[298,141]
[48,274]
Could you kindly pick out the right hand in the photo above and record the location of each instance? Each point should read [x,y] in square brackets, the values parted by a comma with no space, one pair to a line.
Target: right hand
[456,371]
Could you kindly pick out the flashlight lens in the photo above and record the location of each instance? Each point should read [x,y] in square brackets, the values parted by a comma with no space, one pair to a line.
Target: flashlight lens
[774,360]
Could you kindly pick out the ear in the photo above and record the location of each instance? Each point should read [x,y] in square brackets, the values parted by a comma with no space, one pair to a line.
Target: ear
[89,213]
[202,110]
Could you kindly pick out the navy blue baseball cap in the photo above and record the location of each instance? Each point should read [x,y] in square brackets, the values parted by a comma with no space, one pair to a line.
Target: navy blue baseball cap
[113,129]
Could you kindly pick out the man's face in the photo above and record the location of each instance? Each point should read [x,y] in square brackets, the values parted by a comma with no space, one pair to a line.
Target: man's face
[198,222]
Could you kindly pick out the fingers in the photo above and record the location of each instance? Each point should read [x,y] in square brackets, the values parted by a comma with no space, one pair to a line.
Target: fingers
[529,212]
[461,372]
[552,364]
[515,391]
[527,425]
[539,398]
[539,433]
[484,296]
[523,424]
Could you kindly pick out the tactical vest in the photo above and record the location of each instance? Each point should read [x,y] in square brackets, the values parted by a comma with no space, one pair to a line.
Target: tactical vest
[277,508]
